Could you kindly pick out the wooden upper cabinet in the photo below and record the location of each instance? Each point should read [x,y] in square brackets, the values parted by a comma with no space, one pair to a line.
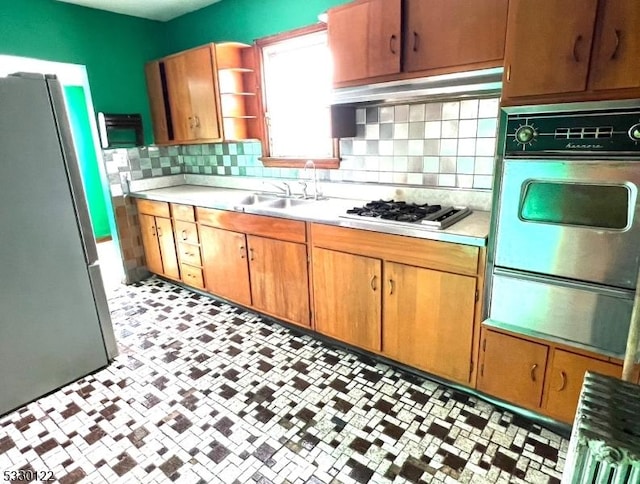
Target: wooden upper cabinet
[192,95]
[347,31]
[156,102]
[347,297]
[616,52]
[548,46]
[445,33]
[279,278]
[384,42]
[428,319]
[512,369]
[224,261]
[565,382]
[365,39]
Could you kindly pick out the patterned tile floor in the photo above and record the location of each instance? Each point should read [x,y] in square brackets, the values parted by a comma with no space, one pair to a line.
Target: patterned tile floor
[206,392]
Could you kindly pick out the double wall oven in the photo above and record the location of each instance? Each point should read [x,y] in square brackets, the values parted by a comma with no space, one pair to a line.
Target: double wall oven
[566,227]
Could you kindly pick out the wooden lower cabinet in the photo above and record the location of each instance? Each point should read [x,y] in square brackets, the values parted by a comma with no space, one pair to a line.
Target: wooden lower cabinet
[512,369]
[279,278]
[564,383]
[347,297]
[159,245]
[428,320]
[224,262]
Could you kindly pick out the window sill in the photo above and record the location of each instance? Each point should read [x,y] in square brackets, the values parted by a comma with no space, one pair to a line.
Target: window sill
[272,162]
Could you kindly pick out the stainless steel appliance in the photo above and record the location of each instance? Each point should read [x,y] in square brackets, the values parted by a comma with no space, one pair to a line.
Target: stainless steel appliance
[54,319]
[421,216]
[566,231]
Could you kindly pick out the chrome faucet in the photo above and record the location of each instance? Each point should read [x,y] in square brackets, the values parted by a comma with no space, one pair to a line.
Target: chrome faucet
[317,194]
[286,189]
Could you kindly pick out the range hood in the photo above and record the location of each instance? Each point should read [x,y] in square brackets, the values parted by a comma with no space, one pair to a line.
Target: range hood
[471,83]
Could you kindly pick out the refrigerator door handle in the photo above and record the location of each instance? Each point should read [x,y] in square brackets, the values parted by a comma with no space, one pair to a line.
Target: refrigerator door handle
[73,170]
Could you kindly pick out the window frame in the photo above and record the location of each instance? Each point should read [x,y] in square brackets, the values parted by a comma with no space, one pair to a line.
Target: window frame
[266,158]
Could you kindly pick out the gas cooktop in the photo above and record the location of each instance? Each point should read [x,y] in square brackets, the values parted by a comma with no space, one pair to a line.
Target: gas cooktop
[408,214]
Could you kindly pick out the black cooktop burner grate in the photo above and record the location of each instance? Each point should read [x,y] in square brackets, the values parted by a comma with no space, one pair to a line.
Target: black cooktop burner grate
[392,210]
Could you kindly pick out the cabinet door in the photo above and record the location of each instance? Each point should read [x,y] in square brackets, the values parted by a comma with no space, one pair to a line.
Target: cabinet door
[512,369]
[279,278]
[548,46]
[565,382]
[224,261]
[428,319]
[167,248]
[383,37]
[347,297]
[443,33]
[156,102]
[150,243]
[347,32]
[192,95]
[616,50]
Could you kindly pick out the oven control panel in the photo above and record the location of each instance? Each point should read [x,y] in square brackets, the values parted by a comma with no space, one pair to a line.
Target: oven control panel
[584,133]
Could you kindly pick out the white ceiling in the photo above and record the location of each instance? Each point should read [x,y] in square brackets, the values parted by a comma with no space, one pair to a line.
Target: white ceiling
[162,10]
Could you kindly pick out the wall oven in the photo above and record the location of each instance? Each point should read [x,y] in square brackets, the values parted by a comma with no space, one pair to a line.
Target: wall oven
[566,227]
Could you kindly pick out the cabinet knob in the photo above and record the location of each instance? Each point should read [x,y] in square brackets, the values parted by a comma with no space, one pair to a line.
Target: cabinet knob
[533,372]
[563,383]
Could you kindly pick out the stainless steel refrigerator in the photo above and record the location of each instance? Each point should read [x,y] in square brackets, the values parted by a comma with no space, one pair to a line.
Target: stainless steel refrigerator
[54,319]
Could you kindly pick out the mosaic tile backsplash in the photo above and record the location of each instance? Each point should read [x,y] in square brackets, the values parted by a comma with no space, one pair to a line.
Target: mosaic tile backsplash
[437,144]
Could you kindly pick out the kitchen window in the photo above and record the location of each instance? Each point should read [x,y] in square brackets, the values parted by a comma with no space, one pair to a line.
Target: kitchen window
[296,72]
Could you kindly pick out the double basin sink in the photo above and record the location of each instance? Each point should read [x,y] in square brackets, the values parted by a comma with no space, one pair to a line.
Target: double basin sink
[267,202]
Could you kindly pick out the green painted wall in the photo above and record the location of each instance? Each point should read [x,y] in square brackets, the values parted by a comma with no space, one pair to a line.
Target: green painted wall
[242,21]
[93,186]
[113,47]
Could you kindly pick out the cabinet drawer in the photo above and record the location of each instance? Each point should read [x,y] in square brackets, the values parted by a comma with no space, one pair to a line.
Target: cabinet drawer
[192,276]
[151,207]
[272,227]
[186,232]
[189,254]
[430,254]
[183,212]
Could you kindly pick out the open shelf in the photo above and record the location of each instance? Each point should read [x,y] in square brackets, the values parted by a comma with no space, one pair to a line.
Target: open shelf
[238,87]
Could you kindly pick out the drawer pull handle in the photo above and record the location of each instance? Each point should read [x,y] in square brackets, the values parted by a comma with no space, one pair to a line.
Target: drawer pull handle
[153,231]
[615,49]
[391,286]
[159,232]
[563,384]
[242,252]
[576,57]
[533,371]
[392,43]
[251,254]
[415,41]
[184,235]
[373,283]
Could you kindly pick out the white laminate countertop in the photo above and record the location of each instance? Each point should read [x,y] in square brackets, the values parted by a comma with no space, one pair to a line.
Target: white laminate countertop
[472,230]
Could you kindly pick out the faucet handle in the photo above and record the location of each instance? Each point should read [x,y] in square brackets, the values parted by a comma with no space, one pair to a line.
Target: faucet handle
[304,188]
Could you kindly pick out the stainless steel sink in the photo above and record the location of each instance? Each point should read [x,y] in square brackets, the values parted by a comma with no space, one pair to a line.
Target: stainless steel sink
[256,198]
[285,203]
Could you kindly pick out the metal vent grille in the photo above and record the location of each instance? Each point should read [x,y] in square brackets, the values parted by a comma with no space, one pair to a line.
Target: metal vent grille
[605,441]
[584,133]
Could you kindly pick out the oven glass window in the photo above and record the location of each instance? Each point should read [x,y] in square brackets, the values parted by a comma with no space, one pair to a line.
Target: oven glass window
[602,206]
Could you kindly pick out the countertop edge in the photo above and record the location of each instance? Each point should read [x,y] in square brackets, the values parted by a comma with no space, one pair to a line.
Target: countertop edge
[447,235]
